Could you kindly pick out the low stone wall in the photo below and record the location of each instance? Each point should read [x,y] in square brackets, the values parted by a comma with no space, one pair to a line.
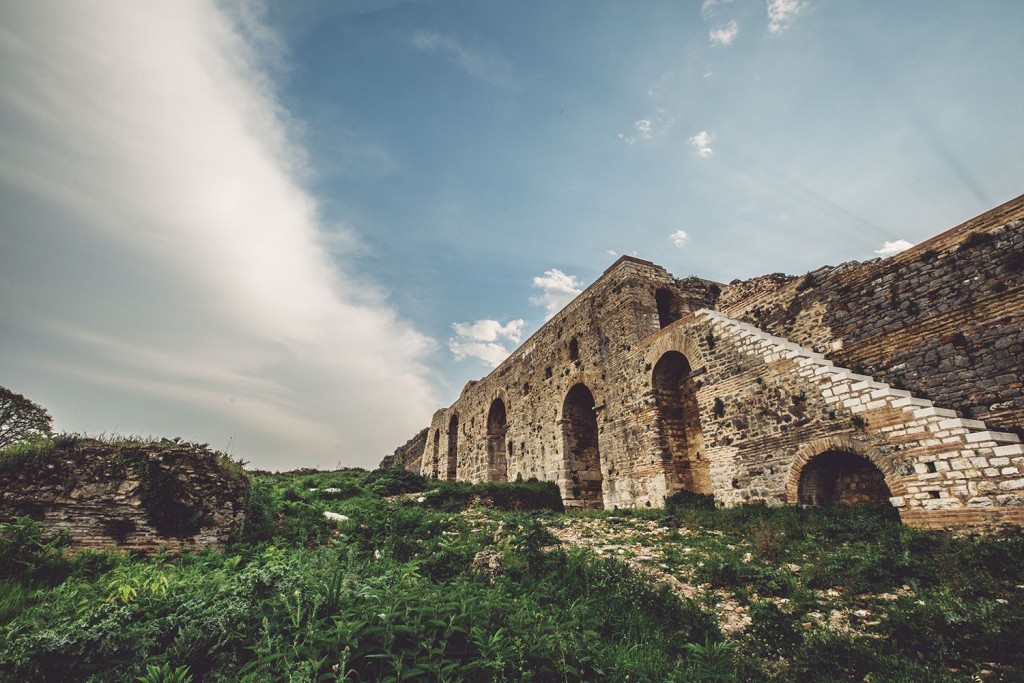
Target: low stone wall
[143,496]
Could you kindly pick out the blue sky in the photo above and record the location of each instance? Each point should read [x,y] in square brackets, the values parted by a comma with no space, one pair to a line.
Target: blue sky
[295,229]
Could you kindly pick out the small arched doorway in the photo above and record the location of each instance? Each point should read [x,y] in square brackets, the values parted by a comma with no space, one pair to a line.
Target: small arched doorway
[582,458]
[678,421]
[497,428]
[843,478]
[453,447]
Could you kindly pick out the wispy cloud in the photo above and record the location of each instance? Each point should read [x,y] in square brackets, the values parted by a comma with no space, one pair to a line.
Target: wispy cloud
[641,131]
[709,7]
[648,127]
[557,290]
[485,340]
[679,238]
[782,14]
[485,65]
[891,248]
[702,142]
[724,35]
[194,293]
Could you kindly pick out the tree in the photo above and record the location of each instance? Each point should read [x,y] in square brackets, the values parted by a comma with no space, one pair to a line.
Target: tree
[20,418]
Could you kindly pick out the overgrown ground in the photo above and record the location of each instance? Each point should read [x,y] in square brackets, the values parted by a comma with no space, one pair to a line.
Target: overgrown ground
[391,591]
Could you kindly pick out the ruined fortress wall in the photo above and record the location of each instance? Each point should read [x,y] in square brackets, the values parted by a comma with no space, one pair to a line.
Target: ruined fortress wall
[637,390]
[408,455]
[584,344]
[944,319]
[136,497]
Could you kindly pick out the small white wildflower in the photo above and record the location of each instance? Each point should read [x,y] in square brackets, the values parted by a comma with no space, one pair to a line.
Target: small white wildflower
[332,490]
[421,499]
[376,554]
[298,594]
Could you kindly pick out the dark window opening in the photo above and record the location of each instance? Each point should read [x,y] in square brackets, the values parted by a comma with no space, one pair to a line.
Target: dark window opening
[574,349]
[668,310]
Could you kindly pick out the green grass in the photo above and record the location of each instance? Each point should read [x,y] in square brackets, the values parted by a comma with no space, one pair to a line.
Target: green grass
[392,593]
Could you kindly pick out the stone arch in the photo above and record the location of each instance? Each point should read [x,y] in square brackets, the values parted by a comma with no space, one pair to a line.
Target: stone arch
[680,438]
[835,457]
[497,430]
[668,308]
[453,446]
[581,475]
[676,339]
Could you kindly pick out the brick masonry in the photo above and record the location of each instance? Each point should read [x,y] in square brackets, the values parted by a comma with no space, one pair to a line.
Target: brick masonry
[135,496]
[897,380]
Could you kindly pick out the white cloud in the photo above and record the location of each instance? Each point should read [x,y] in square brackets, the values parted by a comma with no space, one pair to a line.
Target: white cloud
[724,35]
[557,290]
[193,293]
[642,131]
[707,8]
[702,141]
[782,14]
[679,238]
[891,248]
[611,252]
[655,125]
[490,330]
[490,353]
[482,340]
[484,65]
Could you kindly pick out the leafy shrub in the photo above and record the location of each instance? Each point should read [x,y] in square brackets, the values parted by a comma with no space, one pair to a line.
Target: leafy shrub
[977,239]
[454,496]
[687,500]
[259,513]
[392,481]
[25,549]
[772,632]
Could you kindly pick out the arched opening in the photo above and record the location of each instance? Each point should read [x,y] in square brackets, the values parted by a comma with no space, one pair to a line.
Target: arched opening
[678,422]
[435,464]
[582,459]
[497,428]
[453,447]
[668,310]
[839,477]
[574,349]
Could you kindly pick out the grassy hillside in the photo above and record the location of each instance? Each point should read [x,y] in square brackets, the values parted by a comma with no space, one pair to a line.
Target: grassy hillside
[410,580]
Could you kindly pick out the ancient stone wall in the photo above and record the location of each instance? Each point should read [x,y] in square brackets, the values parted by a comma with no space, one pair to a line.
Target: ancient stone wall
[133,496]
[944,319]
[584,345]
[408,456]
[794,390]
